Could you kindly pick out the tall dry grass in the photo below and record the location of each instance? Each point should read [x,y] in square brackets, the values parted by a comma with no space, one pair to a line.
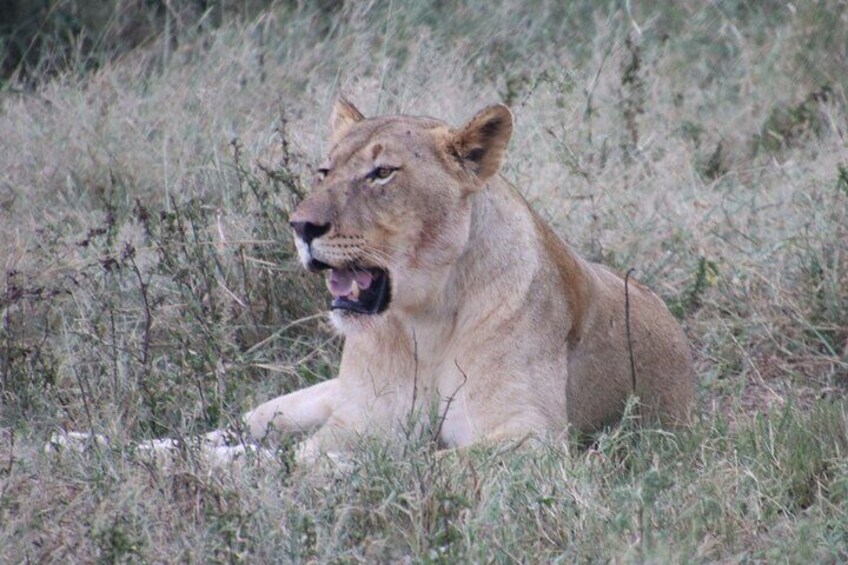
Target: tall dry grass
[151,289]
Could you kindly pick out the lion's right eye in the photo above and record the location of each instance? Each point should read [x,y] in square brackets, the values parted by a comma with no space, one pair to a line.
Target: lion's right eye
[323,172]
[382,175]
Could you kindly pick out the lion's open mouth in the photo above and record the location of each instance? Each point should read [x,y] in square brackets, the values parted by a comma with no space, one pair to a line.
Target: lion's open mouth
[360,290]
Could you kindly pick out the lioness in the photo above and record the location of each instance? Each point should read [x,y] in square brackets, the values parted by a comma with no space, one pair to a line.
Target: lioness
[450,289]
[455,296]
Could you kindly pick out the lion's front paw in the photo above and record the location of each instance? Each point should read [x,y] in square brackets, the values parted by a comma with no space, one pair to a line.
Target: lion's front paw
[74,441]
[221,438]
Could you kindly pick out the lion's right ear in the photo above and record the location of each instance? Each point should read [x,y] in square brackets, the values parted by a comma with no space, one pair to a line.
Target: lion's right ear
[481,144]
[344,116]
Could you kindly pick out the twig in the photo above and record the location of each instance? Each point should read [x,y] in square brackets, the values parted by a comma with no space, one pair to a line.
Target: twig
[246,285]
[438,431]
[148,318]
[281,331]
[129,255]
[627,324]
[415,370]
[203,405]
[84,399]
[589,92]
[410,425]
[8,470]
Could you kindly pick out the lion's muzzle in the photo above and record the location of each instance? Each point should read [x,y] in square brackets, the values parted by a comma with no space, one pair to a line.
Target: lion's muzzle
[305,232]
[355,288]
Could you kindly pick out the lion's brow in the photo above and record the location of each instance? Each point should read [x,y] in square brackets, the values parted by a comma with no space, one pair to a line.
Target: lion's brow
[365,136]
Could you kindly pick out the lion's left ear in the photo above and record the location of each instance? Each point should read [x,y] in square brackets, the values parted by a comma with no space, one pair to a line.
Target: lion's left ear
[481,144]
[344,116]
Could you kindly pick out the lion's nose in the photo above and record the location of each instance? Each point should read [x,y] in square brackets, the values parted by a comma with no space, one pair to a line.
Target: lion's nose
[307,231]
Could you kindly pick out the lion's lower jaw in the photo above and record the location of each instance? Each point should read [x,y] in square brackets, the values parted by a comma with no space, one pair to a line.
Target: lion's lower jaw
[349,323]
[418,302]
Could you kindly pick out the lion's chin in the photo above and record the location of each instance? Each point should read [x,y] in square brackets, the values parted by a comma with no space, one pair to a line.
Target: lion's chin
[349,323]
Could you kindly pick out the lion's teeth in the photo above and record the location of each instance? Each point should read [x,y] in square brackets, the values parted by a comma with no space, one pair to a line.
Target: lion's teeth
[354,291]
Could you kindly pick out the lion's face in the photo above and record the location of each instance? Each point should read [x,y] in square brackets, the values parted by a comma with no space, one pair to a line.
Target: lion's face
[390,212]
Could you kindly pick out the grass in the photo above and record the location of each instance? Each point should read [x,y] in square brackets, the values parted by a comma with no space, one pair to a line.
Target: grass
[150,286]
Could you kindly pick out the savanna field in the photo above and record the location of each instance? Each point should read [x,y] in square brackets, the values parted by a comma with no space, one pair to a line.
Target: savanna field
[151,152]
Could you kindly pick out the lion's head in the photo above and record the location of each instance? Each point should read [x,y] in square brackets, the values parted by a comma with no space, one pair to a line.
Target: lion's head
[390,211]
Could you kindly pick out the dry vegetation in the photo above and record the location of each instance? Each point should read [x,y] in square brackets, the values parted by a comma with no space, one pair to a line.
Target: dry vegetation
[149,287]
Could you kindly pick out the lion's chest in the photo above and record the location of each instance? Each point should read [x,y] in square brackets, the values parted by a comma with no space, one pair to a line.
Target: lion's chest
[393,392]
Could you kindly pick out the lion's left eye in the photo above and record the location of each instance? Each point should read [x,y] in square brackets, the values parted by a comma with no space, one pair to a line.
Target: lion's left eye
[381,175]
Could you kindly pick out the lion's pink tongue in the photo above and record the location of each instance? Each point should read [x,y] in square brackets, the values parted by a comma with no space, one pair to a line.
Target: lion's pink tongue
[340,281]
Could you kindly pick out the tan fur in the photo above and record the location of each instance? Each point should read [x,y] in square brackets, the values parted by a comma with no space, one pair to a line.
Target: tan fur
[494,321]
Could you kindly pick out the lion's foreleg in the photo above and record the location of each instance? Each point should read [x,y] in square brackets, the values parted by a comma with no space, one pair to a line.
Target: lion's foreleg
[213,448]
[297,412]
[301,411]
